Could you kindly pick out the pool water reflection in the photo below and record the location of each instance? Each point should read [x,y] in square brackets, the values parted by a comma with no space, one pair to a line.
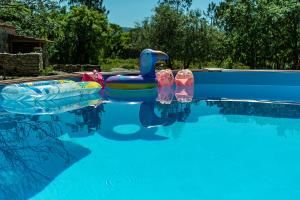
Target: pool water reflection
[151,149]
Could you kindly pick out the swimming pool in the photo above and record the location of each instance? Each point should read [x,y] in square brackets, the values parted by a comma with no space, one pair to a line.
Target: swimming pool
[236,139]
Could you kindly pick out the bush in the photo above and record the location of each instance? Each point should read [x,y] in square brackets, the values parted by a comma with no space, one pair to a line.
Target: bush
[48,71]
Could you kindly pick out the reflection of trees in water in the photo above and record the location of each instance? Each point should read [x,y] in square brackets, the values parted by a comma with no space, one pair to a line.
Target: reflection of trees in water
[176,110]
[27,143]
[278,112]
[91,117]
[257,109]
[20,126]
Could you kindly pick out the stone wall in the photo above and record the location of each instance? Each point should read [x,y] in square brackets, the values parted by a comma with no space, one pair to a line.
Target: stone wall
[27,64]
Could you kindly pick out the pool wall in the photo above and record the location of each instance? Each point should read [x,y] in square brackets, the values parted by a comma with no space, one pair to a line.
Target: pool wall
[249,78]
[273,86]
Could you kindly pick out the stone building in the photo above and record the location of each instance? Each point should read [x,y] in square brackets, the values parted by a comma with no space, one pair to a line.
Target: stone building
[10,42]
[20,55]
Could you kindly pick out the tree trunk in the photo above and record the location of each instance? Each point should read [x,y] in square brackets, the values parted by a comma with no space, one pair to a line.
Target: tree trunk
[169,64]
[221,61]
[186,64]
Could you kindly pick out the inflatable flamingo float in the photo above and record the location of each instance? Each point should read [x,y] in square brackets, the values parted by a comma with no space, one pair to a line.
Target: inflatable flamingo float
[94,76]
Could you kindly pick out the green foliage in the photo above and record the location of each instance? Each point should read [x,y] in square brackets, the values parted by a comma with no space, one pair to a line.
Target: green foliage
[178,4]
[255,33]
[195,43]
[94,4]
[162,31]
[166,30]
[32,19]
[49,70]
[117,43]
[261,33]
[186,36]
[83,36]
[140,35]
[231,34]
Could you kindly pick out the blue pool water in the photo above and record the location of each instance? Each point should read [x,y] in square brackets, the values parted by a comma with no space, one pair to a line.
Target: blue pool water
[210,148]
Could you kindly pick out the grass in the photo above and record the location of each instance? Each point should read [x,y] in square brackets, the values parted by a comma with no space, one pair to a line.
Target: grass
[109,65]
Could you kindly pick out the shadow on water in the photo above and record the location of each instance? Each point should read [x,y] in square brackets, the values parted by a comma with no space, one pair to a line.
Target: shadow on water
[32,152]
[32,155]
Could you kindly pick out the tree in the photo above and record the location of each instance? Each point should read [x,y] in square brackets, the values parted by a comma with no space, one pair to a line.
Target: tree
[261,33]
[6,2]
[37,20]
[117,41]
[183,35]
[95,4]
[166,30]
[195,39]
[140,35]
[210,13]
[178,4]
[84,36]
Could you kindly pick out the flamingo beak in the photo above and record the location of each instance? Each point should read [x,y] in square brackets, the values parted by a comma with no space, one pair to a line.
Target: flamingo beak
[162,56]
